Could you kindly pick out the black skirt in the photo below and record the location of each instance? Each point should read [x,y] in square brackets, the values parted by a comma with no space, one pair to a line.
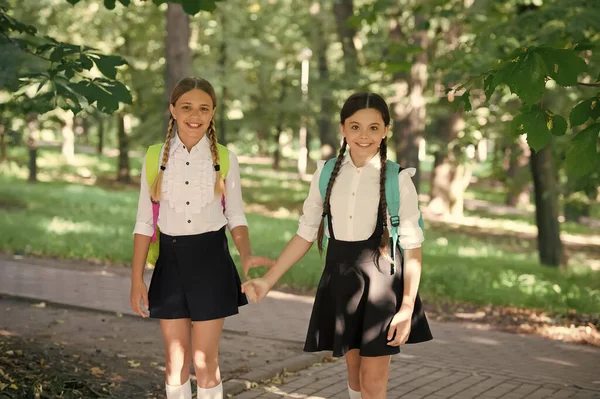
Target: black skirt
[356,300]
[195,278]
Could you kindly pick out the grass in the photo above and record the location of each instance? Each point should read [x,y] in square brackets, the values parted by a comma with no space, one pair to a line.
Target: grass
[78,221]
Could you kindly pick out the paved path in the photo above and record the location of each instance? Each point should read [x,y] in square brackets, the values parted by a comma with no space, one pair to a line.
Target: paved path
[461,362]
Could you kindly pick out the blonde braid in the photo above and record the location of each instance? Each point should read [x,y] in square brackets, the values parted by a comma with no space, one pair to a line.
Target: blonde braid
[326,208]
[212,135]
[156,189]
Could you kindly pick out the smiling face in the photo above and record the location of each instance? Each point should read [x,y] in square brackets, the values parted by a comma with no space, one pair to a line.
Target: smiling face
[193,112]
[364,130]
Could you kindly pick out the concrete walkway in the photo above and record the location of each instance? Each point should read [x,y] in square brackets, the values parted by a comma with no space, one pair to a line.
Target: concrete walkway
[461,362]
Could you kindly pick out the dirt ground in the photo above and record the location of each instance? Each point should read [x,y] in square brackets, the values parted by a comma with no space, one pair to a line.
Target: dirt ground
[48,351]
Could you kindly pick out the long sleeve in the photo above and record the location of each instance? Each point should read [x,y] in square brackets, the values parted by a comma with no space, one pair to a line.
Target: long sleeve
[234,205]
[143,220]
[409,232]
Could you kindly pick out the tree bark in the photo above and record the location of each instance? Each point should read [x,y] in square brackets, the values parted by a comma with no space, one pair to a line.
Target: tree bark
[546,206]
[3,144]
[327,131]
[343,10]
[177,51]
[277,152]
[517,177]
[32,130]
[409,108]
[68,136]
[223,67]
[123,128]
[449,177]
[100,147]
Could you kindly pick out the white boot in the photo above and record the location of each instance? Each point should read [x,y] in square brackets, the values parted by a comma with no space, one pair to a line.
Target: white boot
[179,391]
[211,393]
[353,394]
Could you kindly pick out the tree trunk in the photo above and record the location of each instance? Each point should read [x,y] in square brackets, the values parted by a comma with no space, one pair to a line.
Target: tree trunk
[343,10]
[68,136]
[409,110]
[32,128]
[516,173]
[123,128]
[546,206]
[449,177]
[327,131]
[223,66]
[3,144]
[100,147]
[177,49]
[277,152]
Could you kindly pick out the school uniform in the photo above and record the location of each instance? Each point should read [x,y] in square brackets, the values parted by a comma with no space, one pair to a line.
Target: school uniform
[357,297]
[194,276]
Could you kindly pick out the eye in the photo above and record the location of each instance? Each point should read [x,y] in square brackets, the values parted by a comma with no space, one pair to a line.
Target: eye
[205,109]
[354,127]
[374,128]
[186,107]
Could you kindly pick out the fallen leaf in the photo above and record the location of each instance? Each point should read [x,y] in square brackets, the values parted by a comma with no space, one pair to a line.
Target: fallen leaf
[97,371]
[133,363]
[14,386]
[40,305]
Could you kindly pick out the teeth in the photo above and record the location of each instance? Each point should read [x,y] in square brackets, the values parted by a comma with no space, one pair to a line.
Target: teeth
[193,124]
[363,145]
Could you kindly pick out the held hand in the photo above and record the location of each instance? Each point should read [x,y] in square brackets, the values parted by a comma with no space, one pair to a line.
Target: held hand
[400,327]
[251,262]
[256,289]
[138,296]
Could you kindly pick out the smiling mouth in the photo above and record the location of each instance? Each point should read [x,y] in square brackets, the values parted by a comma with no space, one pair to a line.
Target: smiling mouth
[364,145]
[193,125]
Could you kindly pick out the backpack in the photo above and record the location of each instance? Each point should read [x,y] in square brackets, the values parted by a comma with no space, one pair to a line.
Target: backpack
[392,197]
[152,165]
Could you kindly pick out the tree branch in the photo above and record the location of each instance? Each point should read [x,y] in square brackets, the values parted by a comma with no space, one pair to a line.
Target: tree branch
[589,84]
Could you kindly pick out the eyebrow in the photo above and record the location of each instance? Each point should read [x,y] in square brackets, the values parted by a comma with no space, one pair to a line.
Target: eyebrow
[358,123]
[202,105]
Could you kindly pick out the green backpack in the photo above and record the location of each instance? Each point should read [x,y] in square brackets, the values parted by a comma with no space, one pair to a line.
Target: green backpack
[392,197]
[152,165]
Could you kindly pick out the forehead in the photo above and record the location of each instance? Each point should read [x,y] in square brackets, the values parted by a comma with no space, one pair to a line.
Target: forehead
[196,97]
[366,117]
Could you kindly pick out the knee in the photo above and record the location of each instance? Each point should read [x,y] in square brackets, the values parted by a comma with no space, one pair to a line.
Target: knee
[177,368]
[206,362]
[372,382]
[354,376]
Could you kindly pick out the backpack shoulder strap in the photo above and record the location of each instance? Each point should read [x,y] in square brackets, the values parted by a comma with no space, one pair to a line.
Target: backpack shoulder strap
[152,155]
[323,182]
[325,176]
[223,159]
[392,197]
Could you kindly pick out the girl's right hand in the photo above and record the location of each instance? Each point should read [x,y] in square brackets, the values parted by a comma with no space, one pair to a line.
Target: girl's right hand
[137,296]
[256,289]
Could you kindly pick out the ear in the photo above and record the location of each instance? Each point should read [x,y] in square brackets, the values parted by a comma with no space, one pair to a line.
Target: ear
[386,131]
[342,130]
[172,109]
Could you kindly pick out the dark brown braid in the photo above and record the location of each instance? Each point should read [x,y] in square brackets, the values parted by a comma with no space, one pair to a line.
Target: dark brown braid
[326,208]
[385,237]
[156,189]
[212,136]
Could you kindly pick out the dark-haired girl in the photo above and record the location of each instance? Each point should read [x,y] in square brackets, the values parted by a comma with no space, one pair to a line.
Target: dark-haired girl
[361,310]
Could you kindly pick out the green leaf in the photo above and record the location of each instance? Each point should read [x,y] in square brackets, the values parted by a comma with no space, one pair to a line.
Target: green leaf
[564,66]
[528,79]
[558,125]
[582,157]
[110,4]
[193,7]
[489,85]
[57,54]
[73,2]
[581,112]
[534,122]
[125,2]
[86,62]
[107,64]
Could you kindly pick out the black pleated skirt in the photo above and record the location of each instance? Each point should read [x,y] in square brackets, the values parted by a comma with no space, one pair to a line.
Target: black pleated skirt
[356,301]
[195,278]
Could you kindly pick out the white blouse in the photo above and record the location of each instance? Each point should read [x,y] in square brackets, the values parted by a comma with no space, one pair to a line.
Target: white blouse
[188,204]
[354,205]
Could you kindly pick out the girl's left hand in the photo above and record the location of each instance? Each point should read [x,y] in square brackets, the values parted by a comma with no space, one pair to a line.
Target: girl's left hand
[400,326]
[256,261]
